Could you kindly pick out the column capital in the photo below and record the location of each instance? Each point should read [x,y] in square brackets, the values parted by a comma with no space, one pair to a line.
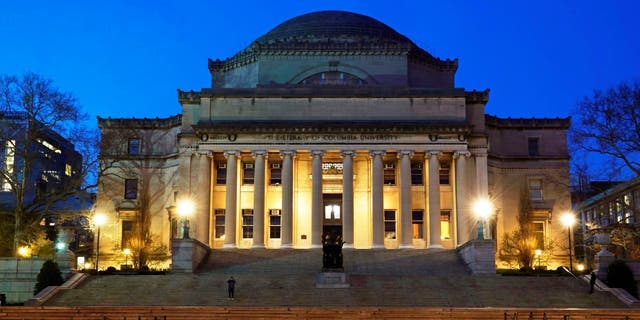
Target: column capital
[374,153]
[431,153]
[480,153]
[315,153]
[231,153]
[459,154]
[403,153]
[290,153]
[207,153]
[347,153]
[257,153]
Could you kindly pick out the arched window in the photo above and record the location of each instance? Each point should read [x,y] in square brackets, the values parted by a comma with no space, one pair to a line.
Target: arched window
[333,78]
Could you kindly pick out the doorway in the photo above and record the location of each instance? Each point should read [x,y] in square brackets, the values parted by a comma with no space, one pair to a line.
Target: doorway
[332,216]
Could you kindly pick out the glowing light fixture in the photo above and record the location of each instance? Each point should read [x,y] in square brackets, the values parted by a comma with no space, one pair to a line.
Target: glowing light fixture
[482,208]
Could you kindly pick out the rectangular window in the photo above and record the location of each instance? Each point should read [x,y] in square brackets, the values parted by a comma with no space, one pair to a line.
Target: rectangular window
[221,172]
[275,174]
[445,170]
[274,223]
[127,234]
[416,174]
[537,228]
[533,144]
[131,188]
[219,223]
[445,224]
[248,173]
[247,223]
[389,224]
[133,147]
[389,173]
[9,162]
[67,170]
[535,189]
[417,223]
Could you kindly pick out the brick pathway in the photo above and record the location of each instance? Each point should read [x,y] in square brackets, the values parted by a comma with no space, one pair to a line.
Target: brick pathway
[393,278]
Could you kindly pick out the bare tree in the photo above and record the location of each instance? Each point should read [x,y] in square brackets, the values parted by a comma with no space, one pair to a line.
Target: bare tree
[35,120]
[608,123]
[154,178]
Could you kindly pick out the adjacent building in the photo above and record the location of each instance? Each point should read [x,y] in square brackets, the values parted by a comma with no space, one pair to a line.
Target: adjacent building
[332,122]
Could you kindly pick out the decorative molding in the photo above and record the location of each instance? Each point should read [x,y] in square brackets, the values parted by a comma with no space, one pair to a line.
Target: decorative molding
[458,154]
[403,153]
[288,153]
[349,153]
[374,153]
[431,153]
[231,153]
[315,153]
[257,153]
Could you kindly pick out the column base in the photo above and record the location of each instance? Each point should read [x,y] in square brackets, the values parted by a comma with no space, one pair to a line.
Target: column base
[405,246]
[229,246]
[347,246]
[258,246]
[377,246]
[286,246]
[315,246]
[435,246]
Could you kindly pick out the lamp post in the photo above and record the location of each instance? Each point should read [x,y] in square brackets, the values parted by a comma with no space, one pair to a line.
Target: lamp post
[482,208]
[185,209]
[538,254]
[126,252]
[568,220]
[98,220]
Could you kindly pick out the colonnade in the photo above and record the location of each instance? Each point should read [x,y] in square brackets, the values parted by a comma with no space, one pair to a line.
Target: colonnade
[462,190]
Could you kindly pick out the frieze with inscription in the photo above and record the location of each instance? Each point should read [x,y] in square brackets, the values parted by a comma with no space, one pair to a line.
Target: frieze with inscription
[328,138]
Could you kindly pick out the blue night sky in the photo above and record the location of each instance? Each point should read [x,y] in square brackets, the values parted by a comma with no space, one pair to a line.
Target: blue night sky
[127,60]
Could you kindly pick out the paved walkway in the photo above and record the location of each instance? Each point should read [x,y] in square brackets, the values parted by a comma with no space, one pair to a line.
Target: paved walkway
[394,278]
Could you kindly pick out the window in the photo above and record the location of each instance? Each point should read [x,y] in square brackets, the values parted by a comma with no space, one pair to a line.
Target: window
[538,233]
[131,188]
[332,212]
[445,224]
[417,223]
[219,223]
[247,223]
[127,234]
[445,169]
[533,143]
[389,224]
[535,189]
[67,170]
[416,174]
[221,172]
[389,173]
[275,177]
[133,147]
[247,173]
[274,223]
[9,161]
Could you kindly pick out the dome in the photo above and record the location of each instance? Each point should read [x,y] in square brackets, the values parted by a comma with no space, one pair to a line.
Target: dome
[333,26]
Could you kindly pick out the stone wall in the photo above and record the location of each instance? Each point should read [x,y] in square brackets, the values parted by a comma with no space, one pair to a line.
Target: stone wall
[479,256]
[18,278]
[187,254]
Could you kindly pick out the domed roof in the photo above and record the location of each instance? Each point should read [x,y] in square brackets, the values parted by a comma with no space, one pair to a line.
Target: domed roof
[334,26]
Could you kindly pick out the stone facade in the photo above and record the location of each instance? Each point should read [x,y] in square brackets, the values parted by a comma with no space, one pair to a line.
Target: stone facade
[334,121]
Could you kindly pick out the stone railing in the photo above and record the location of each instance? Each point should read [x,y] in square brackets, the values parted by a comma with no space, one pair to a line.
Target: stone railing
[187,254]
[479,256]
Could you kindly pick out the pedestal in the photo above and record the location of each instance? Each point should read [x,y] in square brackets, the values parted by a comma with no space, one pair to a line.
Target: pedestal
[332,280]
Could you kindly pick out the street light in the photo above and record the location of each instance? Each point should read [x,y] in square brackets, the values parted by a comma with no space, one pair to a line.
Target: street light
[126,252]
[185,209]
[482,208]
[568,220]
[98,220]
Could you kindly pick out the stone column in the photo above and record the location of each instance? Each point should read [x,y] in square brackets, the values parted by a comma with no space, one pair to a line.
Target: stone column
[463,218]
[230,215]
[347,197]
[286,224]
[316,199]
[406,236]
[258,199]
[377,198]
[434,199]
[202,196]
[482,186]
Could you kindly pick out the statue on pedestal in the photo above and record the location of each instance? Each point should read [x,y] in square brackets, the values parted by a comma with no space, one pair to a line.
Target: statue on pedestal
[332,251]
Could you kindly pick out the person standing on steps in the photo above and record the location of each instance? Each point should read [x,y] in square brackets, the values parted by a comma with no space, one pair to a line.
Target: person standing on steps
[592,282]
[231,286]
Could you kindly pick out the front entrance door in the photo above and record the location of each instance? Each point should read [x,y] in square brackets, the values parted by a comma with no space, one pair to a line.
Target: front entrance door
[332,216]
